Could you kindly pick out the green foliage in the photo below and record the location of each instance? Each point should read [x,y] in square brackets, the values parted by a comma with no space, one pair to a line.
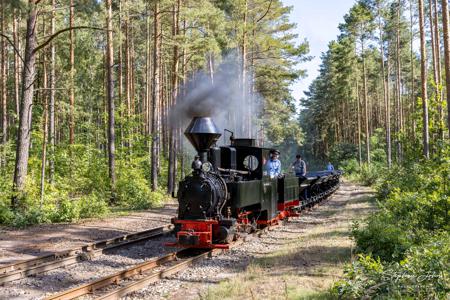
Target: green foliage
[6,215]
[343,152]
[404,247]
[93,206]
[350,166]
[422,274]
[381,238]
[134,192]
[66,211]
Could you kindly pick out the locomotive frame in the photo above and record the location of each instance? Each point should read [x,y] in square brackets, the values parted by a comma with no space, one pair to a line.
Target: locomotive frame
[229,190]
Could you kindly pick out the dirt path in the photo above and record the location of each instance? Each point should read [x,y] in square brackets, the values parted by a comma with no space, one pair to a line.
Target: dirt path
[19,244]
[297,261]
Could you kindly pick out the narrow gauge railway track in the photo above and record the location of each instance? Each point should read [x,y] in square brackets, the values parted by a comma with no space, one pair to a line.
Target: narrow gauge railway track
[56,260]
[138,277]
[135,278]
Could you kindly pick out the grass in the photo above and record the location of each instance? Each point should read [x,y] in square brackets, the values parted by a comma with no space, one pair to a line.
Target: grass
[304,267]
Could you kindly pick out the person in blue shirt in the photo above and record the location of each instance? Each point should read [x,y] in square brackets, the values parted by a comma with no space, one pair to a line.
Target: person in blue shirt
[299,166]
[273,166]
[330,167]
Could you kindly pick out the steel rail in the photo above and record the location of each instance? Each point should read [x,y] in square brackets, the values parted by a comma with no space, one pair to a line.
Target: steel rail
[156,276]
[68,257]
[139,269]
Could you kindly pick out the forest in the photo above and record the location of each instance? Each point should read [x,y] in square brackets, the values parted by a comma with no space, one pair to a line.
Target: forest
[89,92]
[379,110]
[95,96]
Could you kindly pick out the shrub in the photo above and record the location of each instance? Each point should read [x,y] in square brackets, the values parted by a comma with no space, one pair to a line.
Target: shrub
[423,274]
[66,211]
[360,277]
[349,166]
[134,192]
[6,215]
[381,238]
[405,247]
[369,175]
[343,152]
[93,206]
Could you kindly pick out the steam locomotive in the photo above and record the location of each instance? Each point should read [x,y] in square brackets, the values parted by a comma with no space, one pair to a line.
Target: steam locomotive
[229,190]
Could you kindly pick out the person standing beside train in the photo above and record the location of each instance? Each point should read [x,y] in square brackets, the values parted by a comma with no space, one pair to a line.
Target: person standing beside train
[273,166]
[299,166]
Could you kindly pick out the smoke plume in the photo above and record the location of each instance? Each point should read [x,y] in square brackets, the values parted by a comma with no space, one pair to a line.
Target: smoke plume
[221,97]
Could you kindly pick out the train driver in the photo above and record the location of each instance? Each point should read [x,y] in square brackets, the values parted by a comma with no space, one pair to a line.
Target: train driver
[273,166]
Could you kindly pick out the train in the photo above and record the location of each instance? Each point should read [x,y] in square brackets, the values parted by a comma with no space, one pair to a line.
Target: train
[229,191]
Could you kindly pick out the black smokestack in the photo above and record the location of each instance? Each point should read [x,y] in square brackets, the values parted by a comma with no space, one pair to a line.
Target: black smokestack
[202,133]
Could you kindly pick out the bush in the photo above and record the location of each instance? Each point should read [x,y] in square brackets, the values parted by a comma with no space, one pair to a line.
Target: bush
[343,152]
[423,274]
[405,247]
[349,166]
[66,211]
[369,175]
[93,206]
[360,278]
[6,215]
[381,238]
[134,192]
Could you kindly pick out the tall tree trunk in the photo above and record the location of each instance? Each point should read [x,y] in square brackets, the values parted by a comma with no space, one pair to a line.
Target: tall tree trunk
[439,71]
[4,88]
[244,71]
[155,95]
[433,46]
[72,77]
[51,108]
[147,73]
[423,75]
[388,111]
[445,24]
[120,88]
[359,122]
[127,61]
[413,98]
[434,51]
[16,61]
[180,132]
[385,95]
[148,87]
[398,86]
[110,99]
[174,125]
[44,130]
[26,104]
[366,106]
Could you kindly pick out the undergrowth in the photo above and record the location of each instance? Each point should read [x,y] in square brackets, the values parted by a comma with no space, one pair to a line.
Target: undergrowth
[80,189]
[403,250]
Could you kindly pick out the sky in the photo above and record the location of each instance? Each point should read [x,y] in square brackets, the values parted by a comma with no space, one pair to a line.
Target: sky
[317,21]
